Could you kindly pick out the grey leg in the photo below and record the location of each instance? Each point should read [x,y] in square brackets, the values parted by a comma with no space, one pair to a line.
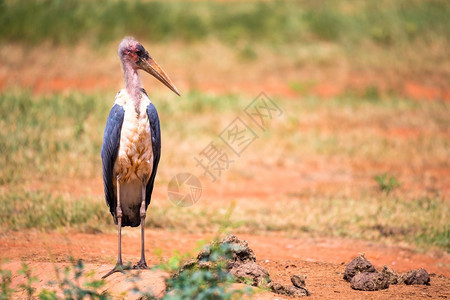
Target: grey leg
[119,265]
[142,264]
[119,223]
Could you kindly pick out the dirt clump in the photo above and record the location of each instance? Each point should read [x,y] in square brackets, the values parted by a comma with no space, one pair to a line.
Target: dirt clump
[240,261]
[298,280]
[391,275]
[358,265]
[364,277]
[241,252]
[419,276]
[298,288]
[250,273]
[288,290]
[369,281]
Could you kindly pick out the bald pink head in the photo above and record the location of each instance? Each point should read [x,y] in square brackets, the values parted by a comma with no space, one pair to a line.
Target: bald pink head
[134,57]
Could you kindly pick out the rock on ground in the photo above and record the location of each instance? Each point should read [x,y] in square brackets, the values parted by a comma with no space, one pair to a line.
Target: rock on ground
[298,281]
[250,273]
[419,276]
[363,276]
[242,263]
[358,265]
[241,252]
[369,281]
[288,290]
[392,277]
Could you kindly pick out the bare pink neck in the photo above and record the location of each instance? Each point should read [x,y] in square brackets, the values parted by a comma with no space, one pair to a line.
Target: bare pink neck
[132,82]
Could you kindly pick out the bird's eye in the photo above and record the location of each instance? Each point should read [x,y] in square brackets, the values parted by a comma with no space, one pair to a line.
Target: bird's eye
[140,51]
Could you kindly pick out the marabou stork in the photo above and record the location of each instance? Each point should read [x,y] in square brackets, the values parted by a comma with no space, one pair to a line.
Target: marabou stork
[132,146]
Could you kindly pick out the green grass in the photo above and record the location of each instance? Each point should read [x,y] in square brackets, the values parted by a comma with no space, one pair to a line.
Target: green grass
[22,210]
[422,221]
[383,22]
[49,136]
[386,184]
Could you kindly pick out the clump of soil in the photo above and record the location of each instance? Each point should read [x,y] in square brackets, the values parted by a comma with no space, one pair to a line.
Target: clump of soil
[250,273]
[240,250]
[297,289]
[416,277]
[298,280]
[392,277]
[369,281]
[242,265]
[288,290]
[363,276]
[356,266]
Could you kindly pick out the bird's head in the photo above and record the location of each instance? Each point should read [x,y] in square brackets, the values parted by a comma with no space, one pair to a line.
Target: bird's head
[132,53]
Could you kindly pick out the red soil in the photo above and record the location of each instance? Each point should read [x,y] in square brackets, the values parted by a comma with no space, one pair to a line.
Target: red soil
[322,260]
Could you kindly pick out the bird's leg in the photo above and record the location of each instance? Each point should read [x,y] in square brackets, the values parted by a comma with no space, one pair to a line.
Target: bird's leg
[119,265]
[142,264]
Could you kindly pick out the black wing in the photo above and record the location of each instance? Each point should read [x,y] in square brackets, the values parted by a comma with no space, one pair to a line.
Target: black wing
[110,148]
[156,145]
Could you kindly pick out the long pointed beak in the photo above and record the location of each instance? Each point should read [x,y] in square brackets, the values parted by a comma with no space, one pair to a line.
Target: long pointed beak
[150,66]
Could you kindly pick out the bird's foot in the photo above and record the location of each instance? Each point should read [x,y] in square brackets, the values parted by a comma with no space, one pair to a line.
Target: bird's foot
[140,265]
[118,268]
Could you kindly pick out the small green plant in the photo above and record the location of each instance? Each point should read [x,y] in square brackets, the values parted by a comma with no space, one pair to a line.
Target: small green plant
[386,183]
[28,286]
[5,285]
[209,279]
[72,288]
[372,93]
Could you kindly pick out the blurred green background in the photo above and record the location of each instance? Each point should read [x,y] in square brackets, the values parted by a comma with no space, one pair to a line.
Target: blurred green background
[385,23]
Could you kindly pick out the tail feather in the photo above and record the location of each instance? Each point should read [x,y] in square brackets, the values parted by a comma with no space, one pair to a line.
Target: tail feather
[130,201]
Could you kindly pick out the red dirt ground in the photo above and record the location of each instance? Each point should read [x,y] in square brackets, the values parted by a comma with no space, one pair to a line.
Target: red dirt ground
[413,90]
[322,260]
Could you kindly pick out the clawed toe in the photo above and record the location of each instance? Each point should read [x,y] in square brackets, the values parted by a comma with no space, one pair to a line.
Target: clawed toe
[140,265]
[117,268]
